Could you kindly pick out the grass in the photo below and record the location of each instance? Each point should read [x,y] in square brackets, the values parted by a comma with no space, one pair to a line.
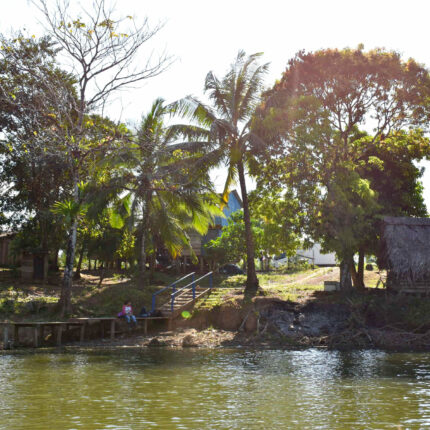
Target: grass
[20,300]
[216,298]
[376,308]
[28,301]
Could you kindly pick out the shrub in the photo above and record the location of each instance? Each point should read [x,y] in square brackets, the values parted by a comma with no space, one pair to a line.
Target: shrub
[296,266]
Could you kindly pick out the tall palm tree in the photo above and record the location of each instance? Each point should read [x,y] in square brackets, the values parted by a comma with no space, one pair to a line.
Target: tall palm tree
[164,187]
[225,129]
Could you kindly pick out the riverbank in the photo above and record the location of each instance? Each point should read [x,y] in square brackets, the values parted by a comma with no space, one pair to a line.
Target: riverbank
[369,320]
[291,311]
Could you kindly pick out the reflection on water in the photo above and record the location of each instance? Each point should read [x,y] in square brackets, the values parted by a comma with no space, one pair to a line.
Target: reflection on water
[214,389]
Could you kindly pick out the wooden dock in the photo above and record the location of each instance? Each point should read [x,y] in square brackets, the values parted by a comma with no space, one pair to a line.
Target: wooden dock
[58,327]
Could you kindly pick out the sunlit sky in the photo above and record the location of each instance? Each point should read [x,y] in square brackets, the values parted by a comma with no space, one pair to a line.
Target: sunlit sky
[205,35]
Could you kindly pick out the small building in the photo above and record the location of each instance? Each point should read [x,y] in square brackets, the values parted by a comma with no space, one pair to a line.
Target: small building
[316,257]
[33,265]
[5,240]
[313,255]
[405,254]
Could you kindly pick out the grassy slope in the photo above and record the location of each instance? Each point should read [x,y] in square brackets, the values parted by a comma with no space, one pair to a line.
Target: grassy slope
[34,301]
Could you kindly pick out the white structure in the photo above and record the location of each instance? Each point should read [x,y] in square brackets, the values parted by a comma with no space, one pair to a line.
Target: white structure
[316,257]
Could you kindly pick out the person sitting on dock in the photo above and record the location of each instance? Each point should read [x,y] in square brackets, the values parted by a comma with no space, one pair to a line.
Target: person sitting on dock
[127,313]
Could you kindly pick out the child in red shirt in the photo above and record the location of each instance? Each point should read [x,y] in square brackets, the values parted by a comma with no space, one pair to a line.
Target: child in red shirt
[127,313]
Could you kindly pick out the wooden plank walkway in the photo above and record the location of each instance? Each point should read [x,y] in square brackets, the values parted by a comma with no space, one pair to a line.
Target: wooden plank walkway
[58,327]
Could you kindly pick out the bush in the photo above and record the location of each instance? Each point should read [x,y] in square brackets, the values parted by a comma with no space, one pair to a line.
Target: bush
[296,266]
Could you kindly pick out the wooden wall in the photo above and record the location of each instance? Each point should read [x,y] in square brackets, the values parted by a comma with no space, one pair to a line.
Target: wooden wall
[420,287]
[4,250]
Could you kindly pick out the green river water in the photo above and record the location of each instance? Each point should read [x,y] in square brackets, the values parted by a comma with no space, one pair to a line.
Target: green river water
[214,389]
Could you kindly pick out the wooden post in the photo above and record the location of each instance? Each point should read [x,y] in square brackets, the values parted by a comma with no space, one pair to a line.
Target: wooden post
[102,329]
[59,333]
[42,333]
[36,335]
[82,333]
[16,335]
[112,329]
[6,336]
[145,326]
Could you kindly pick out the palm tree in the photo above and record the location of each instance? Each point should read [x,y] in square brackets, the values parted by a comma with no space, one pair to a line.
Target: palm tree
[164,187]
[226,132]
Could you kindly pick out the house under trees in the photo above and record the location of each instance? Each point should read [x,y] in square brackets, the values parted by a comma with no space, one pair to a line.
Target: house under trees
[405,254]
[198,241]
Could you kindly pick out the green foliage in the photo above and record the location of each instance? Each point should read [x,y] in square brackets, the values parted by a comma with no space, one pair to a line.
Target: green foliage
[343,179]
[231,245]
[276,211]
[32,164]
[159,190]
[295,265]
[274,229]
[224,132]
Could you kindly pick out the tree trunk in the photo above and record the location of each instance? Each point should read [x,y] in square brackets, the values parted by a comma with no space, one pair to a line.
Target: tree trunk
[77,274]
[142,261]
[152,264]
[354,275]
[89,264]
[345,274]
[44,232]
[361,269]
[55,267]
[251,275]
[102,276]
[65,302]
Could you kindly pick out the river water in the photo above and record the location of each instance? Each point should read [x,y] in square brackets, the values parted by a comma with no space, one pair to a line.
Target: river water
[214,389]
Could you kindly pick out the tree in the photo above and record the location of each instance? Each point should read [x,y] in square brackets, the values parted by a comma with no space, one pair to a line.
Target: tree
[101,51]
[32,174]
[165,188]
[276,212]
[230,246]
[390,167]
[312,117]
[273,228]
[226,133]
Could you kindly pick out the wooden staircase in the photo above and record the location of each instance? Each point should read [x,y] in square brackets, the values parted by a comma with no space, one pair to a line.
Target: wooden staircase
[182,301]
[183,297]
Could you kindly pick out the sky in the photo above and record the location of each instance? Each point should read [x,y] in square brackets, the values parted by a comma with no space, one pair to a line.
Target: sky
[205,36]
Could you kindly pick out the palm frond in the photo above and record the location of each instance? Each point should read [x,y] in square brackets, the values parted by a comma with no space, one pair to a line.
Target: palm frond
[191,108]
[218,94]
[251,96]
[191,146]
[186,131]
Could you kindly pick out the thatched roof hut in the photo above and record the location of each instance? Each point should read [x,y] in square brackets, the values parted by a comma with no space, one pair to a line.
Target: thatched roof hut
[405,253]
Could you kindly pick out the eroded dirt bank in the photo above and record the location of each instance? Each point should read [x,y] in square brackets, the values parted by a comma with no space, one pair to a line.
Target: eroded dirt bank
[370,319]
[273,323]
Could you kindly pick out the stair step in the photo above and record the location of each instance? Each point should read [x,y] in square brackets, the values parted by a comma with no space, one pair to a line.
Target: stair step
[181,300]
